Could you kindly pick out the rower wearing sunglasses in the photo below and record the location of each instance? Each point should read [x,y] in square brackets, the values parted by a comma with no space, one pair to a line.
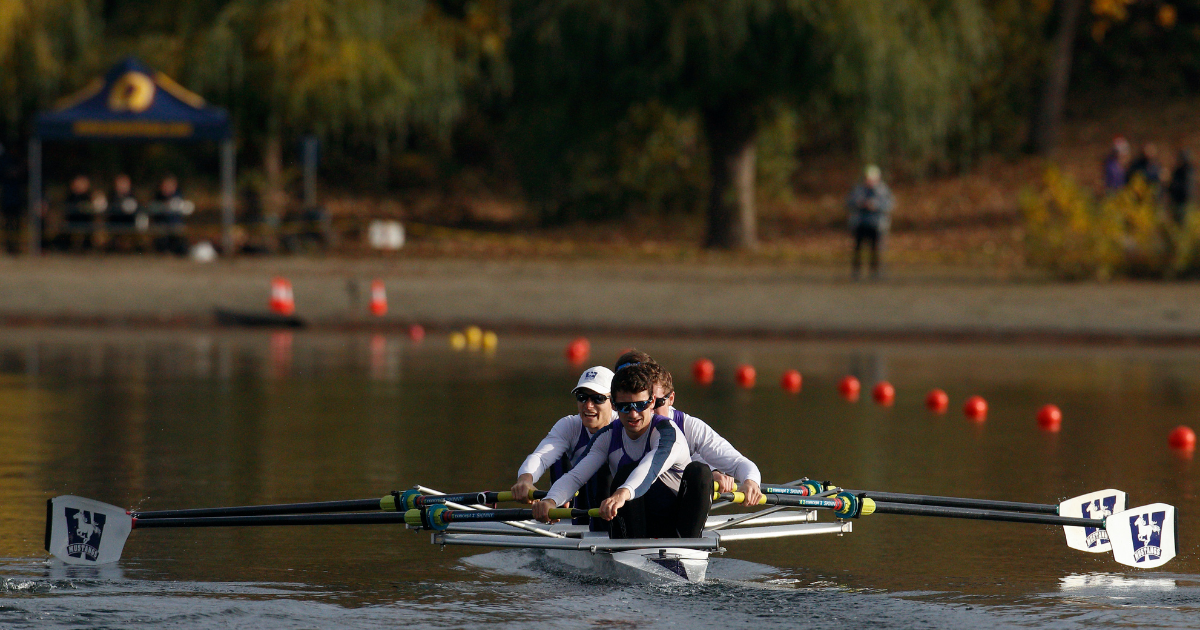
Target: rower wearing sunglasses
[567,440]
[729,467]
[658,491]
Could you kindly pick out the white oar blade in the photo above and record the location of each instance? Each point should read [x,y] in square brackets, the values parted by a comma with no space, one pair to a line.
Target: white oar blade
[83,531]
[1097,505]
[1143,537]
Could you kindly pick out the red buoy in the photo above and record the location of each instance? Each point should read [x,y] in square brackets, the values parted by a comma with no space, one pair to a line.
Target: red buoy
[1049,418]
[791,381]
[745,375]
[1182,438]
[849,387]
[976,408]
[702,371]
[416,332]
[578,350]
[884,394]
[937,401]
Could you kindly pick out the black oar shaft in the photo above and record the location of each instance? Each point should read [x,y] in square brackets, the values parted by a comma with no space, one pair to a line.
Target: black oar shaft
[271,520]
[984,504]
[984,515]
[515,514]
[410,517]
[352,505]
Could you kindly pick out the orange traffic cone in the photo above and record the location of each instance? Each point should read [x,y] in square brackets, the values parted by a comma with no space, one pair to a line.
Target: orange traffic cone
[378,299]
[282,302]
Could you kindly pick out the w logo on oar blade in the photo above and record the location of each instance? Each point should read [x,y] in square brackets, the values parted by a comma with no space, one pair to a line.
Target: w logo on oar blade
[84,530]
[1098,509]
[1147,539]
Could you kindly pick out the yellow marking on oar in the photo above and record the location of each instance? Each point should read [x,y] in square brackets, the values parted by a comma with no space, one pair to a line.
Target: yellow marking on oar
[502,497]
[387,504]
[868,507]
[567,512]
[740,497]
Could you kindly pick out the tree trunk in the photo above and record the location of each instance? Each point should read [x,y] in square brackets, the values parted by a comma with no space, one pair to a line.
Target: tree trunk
[732,218]
[1048,115]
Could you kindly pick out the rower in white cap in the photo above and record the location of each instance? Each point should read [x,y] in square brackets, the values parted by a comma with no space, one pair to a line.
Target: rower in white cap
[568,439]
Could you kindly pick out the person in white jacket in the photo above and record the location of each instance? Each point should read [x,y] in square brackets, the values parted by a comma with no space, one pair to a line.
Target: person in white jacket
[564,445]
[730,469]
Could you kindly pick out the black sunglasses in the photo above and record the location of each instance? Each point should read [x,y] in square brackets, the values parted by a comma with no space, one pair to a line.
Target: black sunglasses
[597,399]
[637,405]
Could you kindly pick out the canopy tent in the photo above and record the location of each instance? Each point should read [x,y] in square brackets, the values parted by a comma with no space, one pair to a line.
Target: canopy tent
[133,103]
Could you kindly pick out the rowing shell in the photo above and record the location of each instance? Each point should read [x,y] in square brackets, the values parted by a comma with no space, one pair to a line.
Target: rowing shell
[637,559]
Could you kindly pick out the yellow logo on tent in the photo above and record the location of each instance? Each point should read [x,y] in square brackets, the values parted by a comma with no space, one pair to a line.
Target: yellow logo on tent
[133,92]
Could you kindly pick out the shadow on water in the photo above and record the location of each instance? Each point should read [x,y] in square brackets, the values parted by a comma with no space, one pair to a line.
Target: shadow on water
[188,419]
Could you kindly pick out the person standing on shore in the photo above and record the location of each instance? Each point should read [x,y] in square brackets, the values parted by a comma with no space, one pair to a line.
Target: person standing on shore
[1147,166]
[1180,192]
[1114,165]
[870,205]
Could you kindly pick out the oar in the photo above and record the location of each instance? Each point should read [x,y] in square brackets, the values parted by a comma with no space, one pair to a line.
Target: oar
[1142,537]
[1094,505]
[409,499]
[437,517]
[844,504]
[88,532]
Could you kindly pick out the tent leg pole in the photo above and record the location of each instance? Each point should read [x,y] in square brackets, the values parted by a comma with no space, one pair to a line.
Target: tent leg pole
[35,196]
[227,174]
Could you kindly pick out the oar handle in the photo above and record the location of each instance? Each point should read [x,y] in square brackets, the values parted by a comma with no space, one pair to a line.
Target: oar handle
[439,517]
[844,504]
[807,488]
[415,499]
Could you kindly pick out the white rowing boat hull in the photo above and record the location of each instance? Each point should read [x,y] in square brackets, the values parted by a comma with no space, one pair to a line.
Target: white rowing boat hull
[632,559]
[668,563]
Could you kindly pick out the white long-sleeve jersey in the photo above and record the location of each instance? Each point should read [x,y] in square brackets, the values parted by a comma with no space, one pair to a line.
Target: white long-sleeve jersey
[567,437]
[659,454]
[707,446]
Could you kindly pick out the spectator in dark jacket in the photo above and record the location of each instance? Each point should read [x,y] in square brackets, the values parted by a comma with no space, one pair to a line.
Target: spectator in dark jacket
[1147,166]
[1181,191]
[870,205]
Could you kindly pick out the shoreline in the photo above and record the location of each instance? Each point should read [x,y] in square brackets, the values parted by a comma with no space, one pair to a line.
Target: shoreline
[601,296]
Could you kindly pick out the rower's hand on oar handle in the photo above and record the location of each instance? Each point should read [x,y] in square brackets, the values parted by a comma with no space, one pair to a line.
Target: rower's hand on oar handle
[523,489]
[724,482]
[752,491]
[609,507]
[541,511]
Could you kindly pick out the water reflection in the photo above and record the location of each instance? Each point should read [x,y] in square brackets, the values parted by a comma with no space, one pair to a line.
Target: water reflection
[1110,583]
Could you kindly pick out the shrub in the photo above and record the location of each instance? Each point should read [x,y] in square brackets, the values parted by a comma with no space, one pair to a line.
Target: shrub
[1127,233]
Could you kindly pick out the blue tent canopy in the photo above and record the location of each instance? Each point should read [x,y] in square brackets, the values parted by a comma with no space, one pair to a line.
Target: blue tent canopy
[134,102]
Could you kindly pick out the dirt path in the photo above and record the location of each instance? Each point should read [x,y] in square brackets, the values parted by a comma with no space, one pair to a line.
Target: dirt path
[592,296]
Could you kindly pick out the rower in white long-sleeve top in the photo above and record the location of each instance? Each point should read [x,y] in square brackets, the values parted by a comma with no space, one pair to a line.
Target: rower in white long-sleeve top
[731,469]
[568,439]
[658,491]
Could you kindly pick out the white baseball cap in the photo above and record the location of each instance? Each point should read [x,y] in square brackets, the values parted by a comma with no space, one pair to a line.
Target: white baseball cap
[598,379]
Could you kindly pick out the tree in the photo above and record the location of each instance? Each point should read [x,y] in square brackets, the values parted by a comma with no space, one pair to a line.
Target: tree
[372,67]
[902,68]
[47,49]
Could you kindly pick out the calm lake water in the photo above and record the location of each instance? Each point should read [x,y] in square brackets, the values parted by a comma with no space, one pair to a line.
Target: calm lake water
[172,419]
